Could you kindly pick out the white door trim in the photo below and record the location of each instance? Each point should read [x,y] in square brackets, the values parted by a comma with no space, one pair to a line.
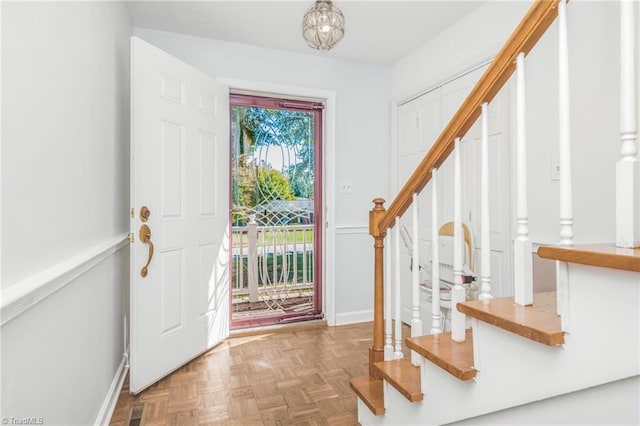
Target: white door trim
[328,240]
[25,294]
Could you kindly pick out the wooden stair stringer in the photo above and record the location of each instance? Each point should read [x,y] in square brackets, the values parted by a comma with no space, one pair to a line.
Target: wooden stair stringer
[538,322]
[403,376]
[370,392]
[456,358]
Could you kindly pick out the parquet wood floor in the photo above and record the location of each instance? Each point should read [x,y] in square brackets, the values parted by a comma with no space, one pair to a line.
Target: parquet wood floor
[298,377]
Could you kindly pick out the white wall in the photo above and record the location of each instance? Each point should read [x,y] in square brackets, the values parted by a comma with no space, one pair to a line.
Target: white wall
[615,403]
[65,168]
[473,39]
[594,64]
[361,141]
[65,99]
[594,72]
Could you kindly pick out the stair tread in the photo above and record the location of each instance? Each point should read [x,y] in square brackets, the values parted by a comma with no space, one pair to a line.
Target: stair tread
[403,376]
[370,391]
[604,255]
[539,322]
[454,357]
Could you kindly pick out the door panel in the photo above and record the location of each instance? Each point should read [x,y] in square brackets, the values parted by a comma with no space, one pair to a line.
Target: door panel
[408,132]
[180,171]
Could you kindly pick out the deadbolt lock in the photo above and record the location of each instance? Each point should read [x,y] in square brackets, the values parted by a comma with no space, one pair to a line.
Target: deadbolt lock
[144,213]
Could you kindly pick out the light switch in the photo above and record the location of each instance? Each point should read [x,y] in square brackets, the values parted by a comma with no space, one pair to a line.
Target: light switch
[345,187]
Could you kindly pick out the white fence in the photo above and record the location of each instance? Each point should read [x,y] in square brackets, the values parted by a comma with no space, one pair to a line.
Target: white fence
[271,261]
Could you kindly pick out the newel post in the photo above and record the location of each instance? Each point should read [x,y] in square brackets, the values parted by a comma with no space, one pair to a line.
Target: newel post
[376,353]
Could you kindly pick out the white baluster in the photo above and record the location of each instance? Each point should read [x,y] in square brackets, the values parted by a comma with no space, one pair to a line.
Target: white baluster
[566,192]
[416,322]
[264,248]
[522,260]
[566,204]
[305,268]
[239,268]
[485,223]
[388,339]
[457,293]
[436,315]
[274,265]
[628,168]
[252,258]
[285,258]
[397,354]
[295,255]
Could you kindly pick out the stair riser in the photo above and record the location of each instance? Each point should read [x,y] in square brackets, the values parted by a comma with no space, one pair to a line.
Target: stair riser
[602,347]
[606,301]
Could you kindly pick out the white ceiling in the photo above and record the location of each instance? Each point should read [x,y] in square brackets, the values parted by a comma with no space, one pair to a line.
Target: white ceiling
[376,31]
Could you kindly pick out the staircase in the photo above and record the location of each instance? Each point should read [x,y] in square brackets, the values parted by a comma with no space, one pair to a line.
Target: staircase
[529,347]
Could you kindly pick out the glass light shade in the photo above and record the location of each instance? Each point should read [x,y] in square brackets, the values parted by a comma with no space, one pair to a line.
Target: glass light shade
[323,25]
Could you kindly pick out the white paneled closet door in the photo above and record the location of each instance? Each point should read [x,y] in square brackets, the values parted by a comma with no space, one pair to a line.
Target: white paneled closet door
[499,193]
[420,122]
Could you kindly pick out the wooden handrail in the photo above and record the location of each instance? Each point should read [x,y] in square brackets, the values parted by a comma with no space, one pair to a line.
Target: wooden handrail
[532,26]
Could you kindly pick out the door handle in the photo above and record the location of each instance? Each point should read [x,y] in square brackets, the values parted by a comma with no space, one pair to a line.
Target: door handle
[145,237]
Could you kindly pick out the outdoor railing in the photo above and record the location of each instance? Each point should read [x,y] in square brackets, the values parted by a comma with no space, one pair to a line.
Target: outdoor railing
[271,261]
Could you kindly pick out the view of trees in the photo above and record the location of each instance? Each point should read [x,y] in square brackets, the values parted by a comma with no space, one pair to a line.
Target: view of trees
[272,185]
[273,157]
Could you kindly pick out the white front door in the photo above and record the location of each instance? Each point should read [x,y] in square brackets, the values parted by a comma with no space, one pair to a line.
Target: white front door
[180,176]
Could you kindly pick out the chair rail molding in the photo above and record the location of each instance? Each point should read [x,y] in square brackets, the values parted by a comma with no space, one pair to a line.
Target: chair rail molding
[28,292]
[352,229]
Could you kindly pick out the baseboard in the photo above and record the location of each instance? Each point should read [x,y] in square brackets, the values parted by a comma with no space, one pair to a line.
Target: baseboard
[109,404]
[25,294]
[354,317]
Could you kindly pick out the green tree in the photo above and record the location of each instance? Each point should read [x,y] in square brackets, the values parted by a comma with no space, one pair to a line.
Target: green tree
[254,129]
[264,126]
[272,185]
[290,129]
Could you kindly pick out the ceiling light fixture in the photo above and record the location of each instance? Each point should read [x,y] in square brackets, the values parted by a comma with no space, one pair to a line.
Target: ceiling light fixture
[323,25]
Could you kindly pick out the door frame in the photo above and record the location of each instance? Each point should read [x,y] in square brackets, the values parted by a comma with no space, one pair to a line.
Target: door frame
[328,97]
[316,109]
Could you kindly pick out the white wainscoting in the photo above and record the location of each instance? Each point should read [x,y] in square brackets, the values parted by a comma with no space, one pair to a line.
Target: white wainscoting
[77,312]
[354,268]
[353,229]
[26,293]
